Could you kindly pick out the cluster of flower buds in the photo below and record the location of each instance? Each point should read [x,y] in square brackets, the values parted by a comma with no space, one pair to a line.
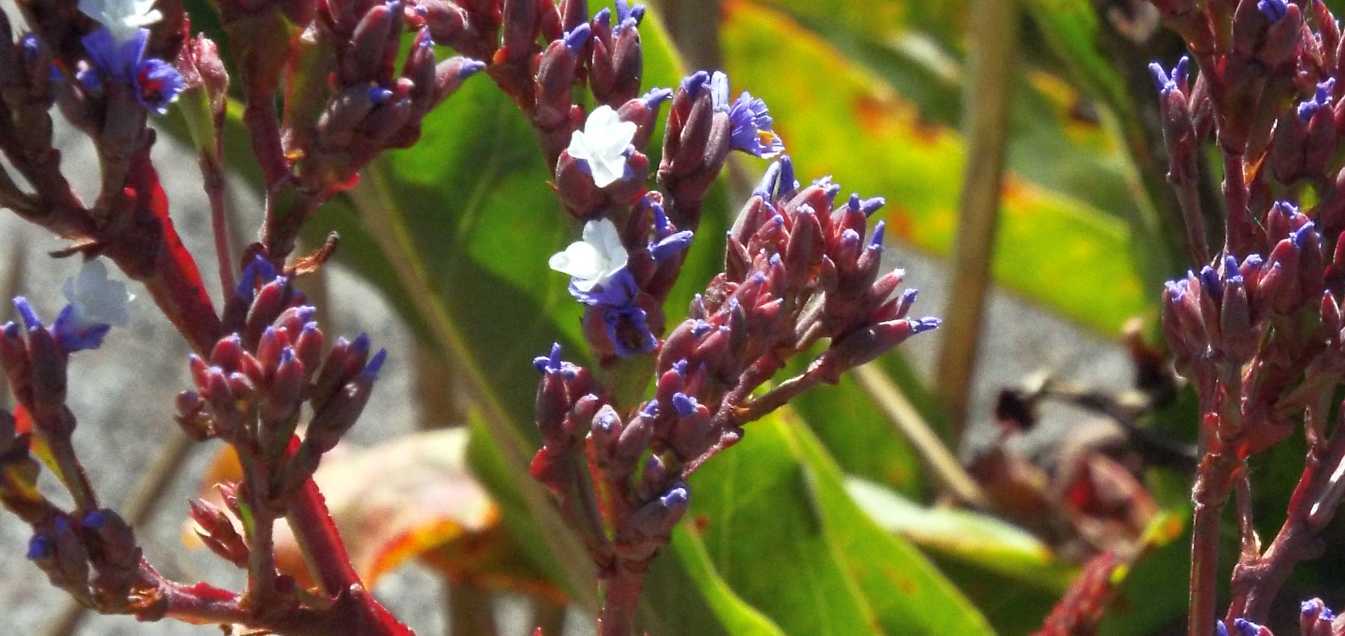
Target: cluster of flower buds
[351,101]
[373,105]
[89,551]
[250,390]
[798,271]
[35,355]
[93,556]
[250,394]
[28,88]
[1315,619]
[1258,328]
[703,126]
[1277,261]
[539,50]
[107,85]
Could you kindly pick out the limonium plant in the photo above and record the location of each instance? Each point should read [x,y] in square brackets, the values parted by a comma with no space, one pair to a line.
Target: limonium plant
[1256,325]
[802,275]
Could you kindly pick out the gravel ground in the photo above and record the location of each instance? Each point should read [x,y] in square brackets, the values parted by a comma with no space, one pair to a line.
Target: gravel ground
[125,411]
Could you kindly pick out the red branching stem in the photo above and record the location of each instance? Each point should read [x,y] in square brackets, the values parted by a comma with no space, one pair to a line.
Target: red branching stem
[203,604]
[733,413]
[1080,609]
[320,541]
[149,250]
[1188,199]
[326,555]
[213,182]
[261,544]
[1212,487]
[1257,579]
[783,393]
[1240,230]
[287,208]
[263,124]
[621,601]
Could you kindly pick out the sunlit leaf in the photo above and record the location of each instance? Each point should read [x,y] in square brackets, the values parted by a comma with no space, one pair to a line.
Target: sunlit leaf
[775,509]
[840,119]
[860,437]
[973,538]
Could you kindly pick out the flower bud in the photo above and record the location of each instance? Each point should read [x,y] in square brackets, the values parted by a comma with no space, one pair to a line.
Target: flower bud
[338,414]
[634,440]
[1239,338]
[521,28]
[364,60]
[347,109]
[217,531]
[648,528]
[627,66]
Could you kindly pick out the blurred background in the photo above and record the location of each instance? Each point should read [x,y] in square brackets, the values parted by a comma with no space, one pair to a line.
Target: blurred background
[1017,145]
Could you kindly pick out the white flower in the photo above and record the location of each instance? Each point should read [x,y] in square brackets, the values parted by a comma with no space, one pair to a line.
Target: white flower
[595,259]
[122,18]
[602,143]
[96,298]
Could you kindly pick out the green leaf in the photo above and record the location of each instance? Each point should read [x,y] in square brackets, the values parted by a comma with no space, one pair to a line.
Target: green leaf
[859,436]
[917,49]
[775,518]
[969,537]
[1009,574]
[839,118]
[1073,31]
[684,577]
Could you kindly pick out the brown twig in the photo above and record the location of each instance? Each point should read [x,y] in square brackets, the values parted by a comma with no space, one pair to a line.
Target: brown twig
[994,38]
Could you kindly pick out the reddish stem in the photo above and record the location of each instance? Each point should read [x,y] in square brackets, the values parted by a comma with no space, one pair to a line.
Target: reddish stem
[219,221]
[621,600]
[1212,487]
[320,541]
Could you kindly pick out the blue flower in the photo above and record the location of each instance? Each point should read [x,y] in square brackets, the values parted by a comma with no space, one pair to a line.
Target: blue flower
[1321,99]
[40,547]
[670,245]
[155,82]
[778,181]
[577,38]
[627,15]
[257,272]
[97,298]
[634,323]
[70,331]
[1166,82]
[1272,9]
[750,123]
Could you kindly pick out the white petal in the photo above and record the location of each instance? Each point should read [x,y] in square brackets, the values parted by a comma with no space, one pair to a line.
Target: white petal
[121,17]
[618,138]
[579,147]
[719,90]
[605,171]
[96,297]
[602,235]
[604,129]
[608,240]
[601,117]
[580,260]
